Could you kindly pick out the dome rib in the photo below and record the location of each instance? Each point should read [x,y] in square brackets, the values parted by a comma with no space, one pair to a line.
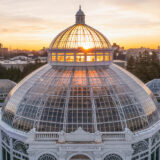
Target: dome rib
[71,30]
[100,35]
[93,102]
[67,101]
[120,110]
[92,36]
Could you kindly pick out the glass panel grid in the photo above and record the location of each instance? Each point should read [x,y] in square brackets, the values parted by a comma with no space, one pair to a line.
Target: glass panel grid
[119,102]
[80,36]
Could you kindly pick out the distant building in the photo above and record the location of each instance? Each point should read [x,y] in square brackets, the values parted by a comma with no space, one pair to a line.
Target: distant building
[143,51]
[42,59]
[159,49]
[22,58]
[3,51]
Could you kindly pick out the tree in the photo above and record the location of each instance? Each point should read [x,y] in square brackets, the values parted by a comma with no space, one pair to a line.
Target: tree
[131,64]
[146,66]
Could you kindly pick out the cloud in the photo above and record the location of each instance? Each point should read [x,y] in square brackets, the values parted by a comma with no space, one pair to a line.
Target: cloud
[45,19]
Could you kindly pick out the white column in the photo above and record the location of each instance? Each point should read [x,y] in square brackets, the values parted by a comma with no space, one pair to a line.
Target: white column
[149,153]
[11,148]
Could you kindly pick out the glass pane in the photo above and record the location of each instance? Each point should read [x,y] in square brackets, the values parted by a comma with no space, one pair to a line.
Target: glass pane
[80,58]
[69,58]
[99,58]
[90,58]
[80,36]
[106,58]
[53,58]
[61,58]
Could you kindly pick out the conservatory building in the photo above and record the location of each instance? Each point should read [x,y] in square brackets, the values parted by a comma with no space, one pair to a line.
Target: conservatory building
[154,86]
[5,87]
[80,106]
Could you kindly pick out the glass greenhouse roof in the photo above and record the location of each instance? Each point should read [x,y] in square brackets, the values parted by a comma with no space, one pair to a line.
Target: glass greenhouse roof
[154,86]
[107,99]
[80,36]
[6,85]
[98,97]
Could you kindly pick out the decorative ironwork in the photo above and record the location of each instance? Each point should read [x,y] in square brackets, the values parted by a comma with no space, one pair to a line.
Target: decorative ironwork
[20,146]
[113,157]
[47,157]
[140,146]
[80,36]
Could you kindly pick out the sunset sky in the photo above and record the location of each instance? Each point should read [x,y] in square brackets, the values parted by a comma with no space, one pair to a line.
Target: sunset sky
[32,24]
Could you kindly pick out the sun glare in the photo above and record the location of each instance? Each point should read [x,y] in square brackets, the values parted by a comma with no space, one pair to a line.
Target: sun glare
[87,45]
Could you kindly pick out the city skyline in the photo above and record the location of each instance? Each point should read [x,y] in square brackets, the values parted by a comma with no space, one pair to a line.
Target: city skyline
[33,24]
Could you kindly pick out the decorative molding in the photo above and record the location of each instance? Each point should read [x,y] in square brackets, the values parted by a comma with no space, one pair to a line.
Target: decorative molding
[128,135]
[140,146]
[113,157]
[47,157]
[20,146]
[80,135]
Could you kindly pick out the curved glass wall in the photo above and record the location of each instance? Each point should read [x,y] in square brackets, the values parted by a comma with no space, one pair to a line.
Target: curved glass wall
[66,98]
[154,86]
[80,36]
[81,57]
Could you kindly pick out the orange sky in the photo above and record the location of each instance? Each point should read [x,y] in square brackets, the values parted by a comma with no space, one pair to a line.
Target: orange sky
[33,24]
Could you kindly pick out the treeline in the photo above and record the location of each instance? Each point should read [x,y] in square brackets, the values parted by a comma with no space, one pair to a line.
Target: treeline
[146,66]
[15,74]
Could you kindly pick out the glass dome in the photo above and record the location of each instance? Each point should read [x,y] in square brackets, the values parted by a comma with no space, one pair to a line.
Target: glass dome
[154,86]
[5,86]
[80,45]
[104,98]
[99,97]
[80,36]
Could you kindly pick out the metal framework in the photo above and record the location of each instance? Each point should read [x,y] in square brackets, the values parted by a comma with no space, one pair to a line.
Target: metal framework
[80,45]
[113,157]
[80,36]
[81,107]
[94,98]
[47,157]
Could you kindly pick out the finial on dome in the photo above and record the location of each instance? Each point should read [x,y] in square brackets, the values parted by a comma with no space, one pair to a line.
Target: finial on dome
[80,16]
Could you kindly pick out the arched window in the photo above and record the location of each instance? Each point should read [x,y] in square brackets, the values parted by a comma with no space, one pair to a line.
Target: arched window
[80,157]
[113,157]
[47,157]
[20,146]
